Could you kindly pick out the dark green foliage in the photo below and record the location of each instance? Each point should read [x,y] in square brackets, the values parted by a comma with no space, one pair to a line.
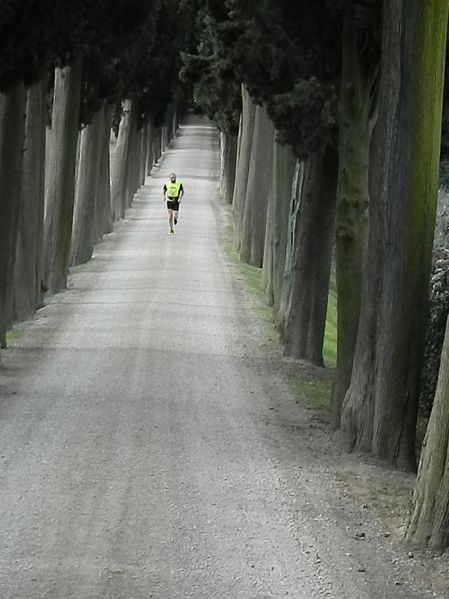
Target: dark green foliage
[306,116]
[129,48]
[115,27]
[148,68]
[288,55]
[215,88]
[26,31]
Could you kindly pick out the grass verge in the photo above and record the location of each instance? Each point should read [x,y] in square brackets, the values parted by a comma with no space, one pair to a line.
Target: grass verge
[252,277]
[312,390]
[330,333]
[313,386]
[13,335]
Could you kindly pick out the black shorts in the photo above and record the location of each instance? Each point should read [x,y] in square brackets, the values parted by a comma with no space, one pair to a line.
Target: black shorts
[173,205]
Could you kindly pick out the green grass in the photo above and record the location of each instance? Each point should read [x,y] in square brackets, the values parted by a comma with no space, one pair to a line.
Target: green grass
[313,389]
[13,335]
[330,333]
[252,277]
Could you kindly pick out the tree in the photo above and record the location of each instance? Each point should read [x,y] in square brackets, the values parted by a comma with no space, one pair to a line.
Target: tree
[12,106]
[275,54]
[92,37]
[30,228]
[379,412]
[429,524]
[356,107]
[24,51]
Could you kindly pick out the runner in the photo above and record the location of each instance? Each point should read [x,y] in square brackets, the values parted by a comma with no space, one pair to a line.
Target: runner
[172,194]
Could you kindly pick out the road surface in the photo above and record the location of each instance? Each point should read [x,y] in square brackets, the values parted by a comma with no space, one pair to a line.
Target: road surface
[148,448]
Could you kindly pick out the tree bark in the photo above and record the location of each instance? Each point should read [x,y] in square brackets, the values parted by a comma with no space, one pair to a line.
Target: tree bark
[246,131]
[103,218]
[286,276]
[258,189]
[303,331]
[132,158]
[86,192]
[29,249]
[61,176]
[277,224]
[429,524]
[228,166]
[143,154]
[120,167]
[149,161]
[379,412]
[352,203]
[12,128]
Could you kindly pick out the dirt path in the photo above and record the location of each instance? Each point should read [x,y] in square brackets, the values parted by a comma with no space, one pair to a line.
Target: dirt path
[149,446]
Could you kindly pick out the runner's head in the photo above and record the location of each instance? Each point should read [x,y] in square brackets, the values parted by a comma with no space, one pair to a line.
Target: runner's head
[172,177]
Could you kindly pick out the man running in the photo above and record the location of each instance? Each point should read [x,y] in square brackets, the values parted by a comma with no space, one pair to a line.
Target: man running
[172,194]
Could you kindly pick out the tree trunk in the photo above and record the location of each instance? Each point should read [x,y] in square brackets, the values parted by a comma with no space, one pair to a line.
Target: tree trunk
[132,159]
[61,176]
[228,165]
[86,193]
[352,202]
[120,167]
[258,189]
[286,276]
[28,267]
[379,412]
[303,332]
[267,261]
[143,154]
[12,127]
[158,144]
[149,160]
[243,163]
[277,224]
[103,218]
[164,138]
[429,525]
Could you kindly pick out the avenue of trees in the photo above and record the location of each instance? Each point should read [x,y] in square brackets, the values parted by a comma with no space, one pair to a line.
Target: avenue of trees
[69,72]
[330,116]
[337,150]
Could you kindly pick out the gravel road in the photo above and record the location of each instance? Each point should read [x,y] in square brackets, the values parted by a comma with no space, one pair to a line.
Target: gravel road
[149,449]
